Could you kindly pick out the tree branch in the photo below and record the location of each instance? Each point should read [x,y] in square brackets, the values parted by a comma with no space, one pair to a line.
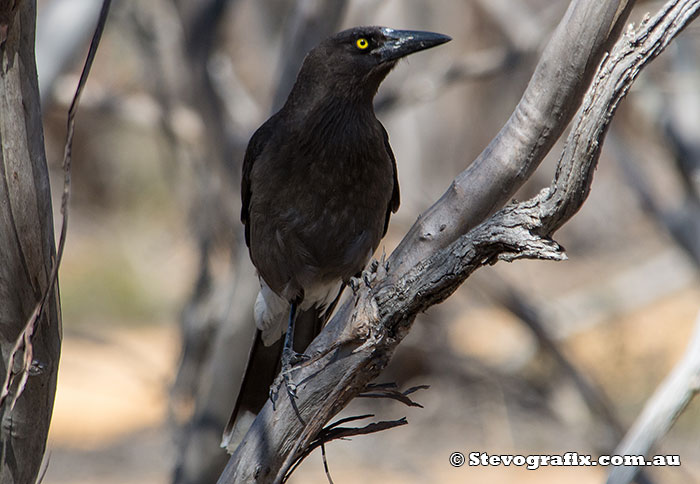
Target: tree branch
[434,259]
[567,65]
[334,432]
[662,410]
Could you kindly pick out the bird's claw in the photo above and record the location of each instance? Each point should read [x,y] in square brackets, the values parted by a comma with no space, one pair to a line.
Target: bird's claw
[354,284]
[290,359]
[369,277]
[274,391]
[289,386]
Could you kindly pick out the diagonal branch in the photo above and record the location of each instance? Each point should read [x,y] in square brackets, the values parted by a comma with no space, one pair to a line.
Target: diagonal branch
[560,80]
[429,266]
[662,410]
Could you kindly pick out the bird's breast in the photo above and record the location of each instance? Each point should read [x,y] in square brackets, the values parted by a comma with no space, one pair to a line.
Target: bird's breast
[319,205]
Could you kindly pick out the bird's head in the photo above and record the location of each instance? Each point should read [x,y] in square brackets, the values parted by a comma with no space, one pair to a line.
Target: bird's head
[358,59]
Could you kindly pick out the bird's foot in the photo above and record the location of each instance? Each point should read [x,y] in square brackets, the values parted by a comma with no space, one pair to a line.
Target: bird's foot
[290,360]
[370,274]
[290,387]
[354,284]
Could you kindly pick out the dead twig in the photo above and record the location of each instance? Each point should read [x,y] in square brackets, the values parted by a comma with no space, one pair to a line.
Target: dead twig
[334,431]
[390,391]
[662,410]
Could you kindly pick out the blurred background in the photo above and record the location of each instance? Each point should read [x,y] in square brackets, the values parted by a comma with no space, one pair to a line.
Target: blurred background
[157,288]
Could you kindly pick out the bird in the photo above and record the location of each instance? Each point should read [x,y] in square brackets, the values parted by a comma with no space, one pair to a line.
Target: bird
[319,185]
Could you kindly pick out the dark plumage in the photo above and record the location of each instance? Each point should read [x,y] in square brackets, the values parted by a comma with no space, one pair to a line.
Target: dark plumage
[319,185]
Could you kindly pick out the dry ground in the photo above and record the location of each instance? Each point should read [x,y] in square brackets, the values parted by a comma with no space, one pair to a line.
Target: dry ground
[110,422]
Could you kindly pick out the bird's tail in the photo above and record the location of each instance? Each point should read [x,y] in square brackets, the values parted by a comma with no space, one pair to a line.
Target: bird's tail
[263,365]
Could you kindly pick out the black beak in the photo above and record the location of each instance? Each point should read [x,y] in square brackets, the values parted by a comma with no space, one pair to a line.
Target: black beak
[400,43]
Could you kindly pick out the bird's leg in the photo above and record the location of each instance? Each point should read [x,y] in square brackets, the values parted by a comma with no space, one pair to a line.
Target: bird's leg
[289,356]
[289,359]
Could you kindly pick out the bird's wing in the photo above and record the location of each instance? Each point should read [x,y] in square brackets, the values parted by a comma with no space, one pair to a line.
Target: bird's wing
[395,194]
[255,148]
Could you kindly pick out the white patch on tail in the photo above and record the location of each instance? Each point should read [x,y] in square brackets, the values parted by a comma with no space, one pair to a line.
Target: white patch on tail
[271,314]
[243,422]
[272,311]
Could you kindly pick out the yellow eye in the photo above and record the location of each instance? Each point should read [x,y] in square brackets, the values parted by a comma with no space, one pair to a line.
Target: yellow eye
[362,43]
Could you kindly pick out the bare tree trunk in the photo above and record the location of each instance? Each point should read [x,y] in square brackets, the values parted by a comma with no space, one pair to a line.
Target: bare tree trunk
[26,254]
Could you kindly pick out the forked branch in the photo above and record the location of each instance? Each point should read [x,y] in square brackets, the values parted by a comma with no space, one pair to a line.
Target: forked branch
[434,258]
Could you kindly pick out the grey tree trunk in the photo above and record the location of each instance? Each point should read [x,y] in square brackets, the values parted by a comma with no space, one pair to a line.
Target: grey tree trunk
[27,253]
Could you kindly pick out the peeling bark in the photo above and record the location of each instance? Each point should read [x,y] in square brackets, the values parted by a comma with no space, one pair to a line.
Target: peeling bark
[26,254]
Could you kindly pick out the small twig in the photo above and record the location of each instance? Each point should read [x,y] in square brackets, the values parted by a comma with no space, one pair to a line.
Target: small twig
[396,395]
[325,464]
[345,432]
[345,420]
[334,432]
[375,386]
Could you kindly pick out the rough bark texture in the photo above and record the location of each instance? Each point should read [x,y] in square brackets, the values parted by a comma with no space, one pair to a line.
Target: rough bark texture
[564,72]
[26,251]
[434,258]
